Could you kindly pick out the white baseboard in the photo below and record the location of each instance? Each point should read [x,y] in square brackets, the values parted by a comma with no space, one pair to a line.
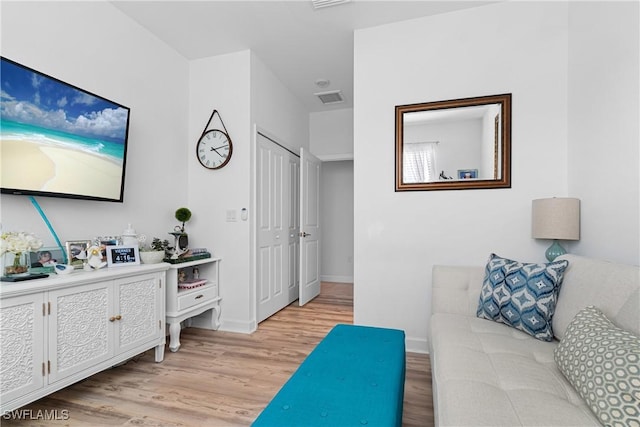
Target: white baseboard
[238,326]
[417,345]
[336,279]
[204,322]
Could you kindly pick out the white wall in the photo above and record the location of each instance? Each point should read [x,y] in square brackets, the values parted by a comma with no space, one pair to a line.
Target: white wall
[512,47]
[331,134]
[604,127]
[244,92]
[94,46]
[336,201]
[222,83]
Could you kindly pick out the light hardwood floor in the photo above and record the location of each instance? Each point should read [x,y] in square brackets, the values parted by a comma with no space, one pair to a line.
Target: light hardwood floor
[218,378]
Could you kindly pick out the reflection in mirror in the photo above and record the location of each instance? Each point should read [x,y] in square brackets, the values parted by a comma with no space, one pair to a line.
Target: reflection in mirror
[456,144]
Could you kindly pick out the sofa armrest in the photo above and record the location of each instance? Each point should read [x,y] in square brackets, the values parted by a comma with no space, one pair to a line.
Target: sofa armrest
[456,289]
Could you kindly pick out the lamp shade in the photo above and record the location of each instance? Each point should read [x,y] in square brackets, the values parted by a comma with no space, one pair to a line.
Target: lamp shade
[556,218]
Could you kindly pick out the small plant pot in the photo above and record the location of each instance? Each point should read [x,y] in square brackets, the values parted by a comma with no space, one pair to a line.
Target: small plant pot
[152,257]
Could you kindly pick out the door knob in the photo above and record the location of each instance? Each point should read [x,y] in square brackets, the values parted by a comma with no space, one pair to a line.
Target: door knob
[304,234]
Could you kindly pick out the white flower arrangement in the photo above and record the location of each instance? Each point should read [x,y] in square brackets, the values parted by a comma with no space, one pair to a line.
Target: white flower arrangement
[19,242]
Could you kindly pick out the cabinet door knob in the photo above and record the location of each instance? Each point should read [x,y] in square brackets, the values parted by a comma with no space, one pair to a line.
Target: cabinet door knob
[112,319]
[199,296]
[118,317]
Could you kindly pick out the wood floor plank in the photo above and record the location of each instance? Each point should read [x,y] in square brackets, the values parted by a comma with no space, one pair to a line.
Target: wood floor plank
[219,378]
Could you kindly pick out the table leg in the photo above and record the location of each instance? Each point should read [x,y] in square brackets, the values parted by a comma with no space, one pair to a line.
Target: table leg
[174,336]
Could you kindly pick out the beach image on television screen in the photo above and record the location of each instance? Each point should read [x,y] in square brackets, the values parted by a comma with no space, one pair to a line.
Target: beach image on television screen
[58,139]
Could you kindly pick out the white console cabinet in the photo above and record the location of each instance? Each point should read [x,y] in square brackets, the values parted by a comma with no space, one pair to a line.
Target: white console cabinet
[184,304]
[59,330]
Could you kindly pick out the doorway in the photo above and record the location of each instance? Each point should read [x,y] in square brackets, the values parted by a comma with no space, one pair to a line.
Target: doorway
[288,231]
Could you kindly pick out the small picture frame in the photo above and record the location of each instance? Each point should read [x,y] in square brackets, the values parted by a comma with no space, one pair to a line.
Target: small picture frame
[46,257]
[103,241]
[75,248]
[44,260]
[121,255]
[467,173]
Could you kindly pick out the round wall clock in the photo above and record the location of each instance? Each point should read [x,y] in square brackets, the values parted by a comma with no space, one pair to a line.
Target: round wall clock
[214,149]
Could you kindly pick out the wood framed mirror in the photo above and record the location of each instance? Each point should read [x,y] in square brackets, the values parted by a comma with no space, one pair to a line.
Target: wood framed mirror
[459,144]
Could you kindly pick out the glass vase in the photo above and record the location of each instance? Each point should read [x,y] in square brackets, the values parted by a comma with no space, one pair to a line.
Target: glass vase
[20,265]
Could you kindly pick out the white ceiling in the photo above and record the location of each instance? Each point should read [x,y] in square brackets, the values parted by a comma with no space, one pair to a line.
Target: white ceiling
[299,44]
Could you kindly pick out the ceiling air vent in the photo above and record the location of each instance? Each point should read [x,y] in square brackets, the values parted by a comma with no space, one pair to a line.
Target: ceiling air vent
[319,4]
[331,97]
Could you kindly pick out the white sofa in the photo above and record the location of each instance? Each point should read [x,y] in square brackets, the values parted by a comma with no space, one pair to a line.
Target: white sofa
[487,373]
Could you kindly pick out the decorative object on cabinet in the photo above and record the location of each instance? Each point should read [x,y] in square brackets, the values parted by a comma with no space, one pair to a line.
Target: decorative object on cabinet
[104,241]
[181,239]
[18,244]
[93,259]
[63,269]
[122,255]
[129,236]
[193,297]
[151,257]
[188,257]
[557,218]
[45,260]
[153,253]
[183,215]
[214,147]
[66,328]
[76,251]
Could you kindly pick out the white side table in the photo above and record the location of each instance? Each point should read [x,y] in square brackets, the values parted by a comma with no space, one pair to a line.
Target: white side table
[185,303]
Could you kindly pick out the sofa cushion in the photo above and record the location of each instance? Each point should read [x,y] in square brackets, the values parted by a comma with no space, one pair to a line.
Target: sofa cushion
[602,362]
[487,373]
[612,287]
[522,295]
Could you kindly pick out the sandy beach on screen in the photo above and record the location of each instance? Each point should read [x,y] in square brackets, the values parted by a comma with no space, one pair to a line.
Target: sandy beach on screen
[42,167]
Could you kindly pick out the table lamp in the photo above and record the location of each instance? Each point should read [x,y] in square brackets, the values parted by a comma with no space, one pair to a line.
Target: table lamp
[557,218]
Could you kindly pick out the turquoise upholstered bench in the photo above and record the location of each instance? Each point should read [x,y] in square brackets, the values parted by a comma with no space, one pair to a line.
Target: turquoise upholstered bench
[354,377]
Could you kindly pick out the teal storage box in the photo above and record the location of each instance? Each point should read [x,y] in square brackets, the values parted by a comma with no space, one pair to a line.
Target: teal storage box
[354,377]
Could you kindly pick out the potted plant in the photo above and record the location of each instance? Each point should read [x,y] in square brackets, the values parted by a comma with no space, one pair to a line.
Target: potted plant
[181,238]
[155,252]
[183,215]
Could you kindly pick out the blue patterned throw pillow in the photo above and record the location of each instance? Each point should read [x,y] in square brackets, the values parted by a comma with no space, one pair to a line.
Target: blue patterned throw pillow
[521,295]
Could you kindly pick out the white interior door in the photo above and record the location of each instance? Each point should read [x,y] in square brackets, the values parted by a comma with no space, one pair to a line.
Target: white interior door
[277,206]
[309,227]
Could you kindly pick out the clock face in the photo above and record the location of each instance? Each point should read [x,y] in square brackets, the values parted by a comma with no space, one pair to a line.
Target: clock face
[214,149]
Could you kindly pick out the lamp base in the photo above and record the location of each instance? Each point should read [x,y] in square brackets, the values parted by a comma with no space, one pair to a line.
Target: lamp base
[554,251]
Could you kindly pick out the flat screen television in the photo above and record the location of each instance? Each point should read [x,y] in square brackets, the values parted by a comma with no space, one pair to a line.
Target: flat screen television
[59,140]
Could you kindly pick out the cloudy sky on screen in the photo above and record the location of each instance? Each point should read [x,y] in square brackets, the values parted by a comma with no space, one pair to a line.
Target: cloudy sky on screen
[32,98]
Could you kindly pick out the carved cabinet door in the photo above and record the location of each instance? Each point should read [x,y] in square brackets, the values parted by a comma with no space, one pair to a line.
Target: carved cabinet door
[79,328]
[22,350]
[139,306]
